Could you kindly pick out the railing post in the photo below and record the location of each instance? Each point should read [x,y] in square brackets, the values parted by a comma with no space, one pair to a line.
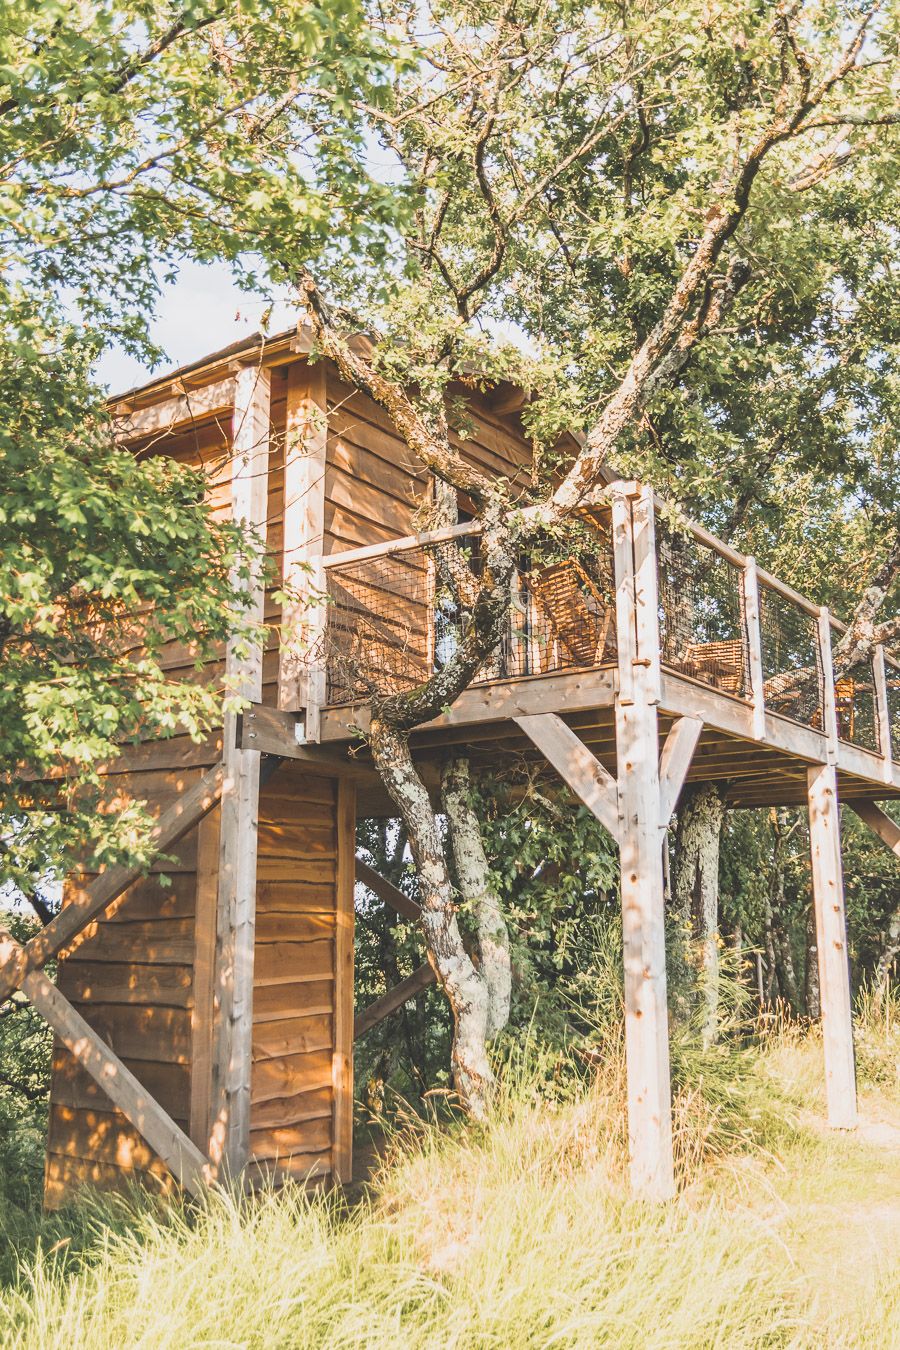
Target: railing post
[750,592]
[303,619]
[829,705]
[643,899]
[883,713]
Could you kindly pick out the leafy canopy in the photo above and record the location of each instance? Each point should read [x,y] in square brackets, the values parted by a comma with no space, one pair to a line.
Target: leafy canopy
[133,135]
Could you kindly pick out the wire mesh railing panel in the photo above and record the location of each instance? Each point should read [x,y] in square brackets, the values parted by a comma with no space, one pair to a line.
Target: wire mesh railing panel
[856,704]
[892,679]
[393,621]
[563,615]
[703,630]
[378,626]
[791,659]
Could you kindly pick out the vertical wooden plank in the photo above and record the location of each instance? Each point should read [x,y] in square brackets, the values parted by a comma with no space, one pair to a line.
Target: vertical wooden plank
[883,713]
[304,530]
[750,591]
[342,1070]
[623,563]
[206,896]
[643,897]
[831,937]
[829,705]
[235,936]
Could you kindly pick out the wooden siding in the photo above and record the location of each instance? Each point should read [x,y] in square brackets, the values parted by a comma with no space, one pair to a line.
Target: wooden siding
[143,975]
[296,1015]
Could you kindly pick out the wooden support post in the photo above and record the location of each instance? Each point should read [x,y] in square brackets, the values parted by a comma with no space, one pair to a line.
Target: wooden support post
[300,666]
[883,714]
[831,938]
[575,764]
[750,592]
[829,703]
[643,900]
[342,1064]
[229,1145]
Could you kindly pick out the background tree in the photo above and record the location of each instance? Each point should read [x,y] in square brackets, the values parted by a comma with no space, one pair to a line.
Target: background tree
[133,135]
[688,215]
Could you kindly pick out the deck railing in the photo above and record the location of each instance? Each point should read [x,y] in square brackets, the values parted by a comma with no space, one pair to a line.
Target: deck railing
[393,613]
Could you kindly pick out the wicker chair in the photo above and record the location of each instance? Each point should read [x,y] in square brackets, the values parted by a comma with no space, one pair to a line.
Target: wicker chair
[717,663]
[579,617]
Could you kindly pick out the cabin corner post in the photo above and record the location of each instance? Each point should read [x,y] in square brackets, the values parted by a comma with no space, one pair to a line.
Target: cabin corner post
[831,937]
[305,449]
[229,1142]
[640,845]
[342,1063]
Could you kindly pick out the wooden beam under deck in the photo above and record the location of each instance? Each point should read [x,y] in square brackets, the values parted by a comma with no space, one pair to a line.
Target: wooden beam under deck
[771,771]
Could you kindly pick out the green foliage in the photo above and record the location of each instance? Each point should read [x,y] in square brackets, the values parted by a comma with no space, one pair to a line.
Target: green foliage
[26,1043]
[133,135]
[556,873]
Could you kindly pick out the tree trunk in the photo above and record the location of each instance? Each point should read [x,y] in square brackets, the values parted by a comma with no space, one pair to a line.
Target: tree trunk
[889,953]
[782,953]
[466,991]
[695,888]
[813,999]
[473,876]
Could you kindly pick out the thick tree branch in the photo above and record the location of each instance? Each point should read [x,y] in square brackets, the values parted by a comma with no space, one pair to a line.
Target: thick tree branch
[434,450]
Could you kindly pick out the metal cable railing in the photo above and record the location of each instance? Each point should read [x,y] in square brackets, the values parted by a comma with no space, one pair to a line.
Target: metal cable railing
[395,615]
[393,620]
[703,630]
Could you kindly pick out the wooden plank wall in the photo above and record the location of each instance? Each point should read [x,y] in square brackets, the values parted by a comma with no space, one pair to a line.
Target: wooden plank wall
[133,976]
[142,975]
[297,1023]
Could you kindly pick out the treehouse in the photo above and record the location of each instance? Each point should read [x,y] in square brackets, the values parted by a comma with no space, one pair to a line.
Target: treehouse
[207,1026]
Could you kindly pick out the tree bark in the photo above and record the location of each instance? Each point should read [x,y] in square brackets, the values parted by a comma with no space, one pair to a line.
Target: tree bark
[696,887]
[465,990]
[473,876]
[889,953]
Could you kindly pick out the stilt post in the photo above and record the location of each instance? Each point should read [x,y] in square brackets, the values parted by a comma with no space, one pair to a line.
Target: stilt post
[229,1144]
[831,938]
[643,897]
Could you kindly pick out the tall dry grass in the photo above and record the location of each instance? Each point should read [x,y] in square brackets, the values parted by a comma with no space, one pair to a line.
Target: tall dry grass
[516,1234]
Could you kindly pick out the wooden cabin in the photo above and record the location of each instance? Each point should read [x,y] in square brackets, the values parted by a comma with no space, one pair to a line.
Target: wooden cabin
[206,1025]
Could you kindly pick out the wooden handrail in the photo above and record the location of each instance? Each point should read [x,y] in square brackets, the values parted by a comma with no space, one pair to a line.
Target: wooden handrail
[408,543]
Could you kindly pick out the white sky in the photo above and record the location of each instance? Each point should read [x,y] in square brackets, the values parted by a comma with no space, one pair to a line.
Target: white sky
[203,311]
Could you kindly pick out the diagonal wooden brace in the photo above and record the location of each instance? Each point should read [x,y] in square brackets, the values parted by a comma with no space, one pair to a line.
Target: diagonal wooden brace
[592,783]
[575,764]
[394,998]
[674,763]
[180,1154]
[879,822]
[386,891]
[172,825]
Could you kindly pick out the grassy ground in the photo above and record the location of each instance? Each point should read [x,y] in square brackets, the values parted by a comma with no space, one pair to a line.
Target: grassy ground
[521,1234]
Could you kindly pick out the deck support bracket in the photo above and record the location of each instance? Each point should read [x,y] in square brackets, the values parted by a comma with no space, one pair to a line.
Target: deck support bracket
[674,763]
[880,823]
[573,761]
